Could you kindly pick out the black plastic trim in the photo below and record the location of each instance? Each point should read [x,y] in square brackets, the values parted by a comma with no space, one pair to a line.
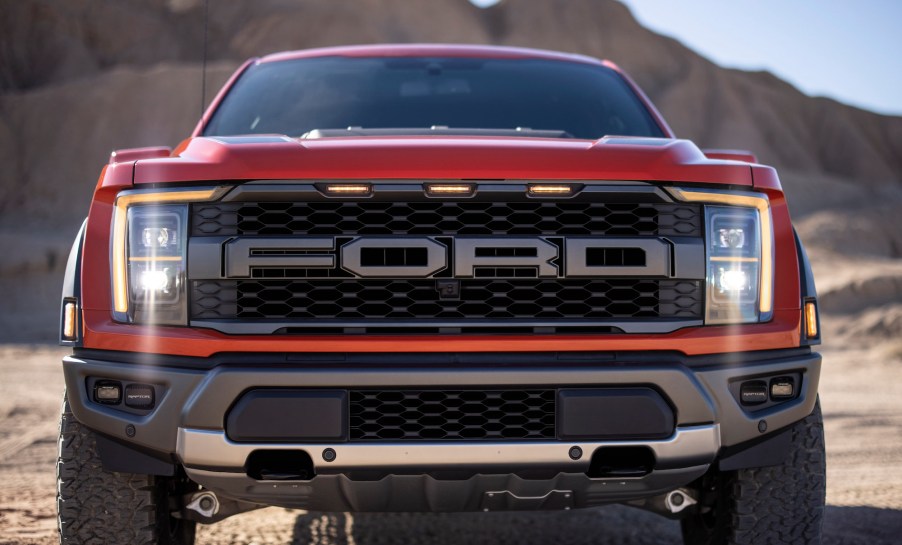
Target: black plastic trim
[117,456]
[72,287]
[289,415]
[393,190]
[436,359]
[613,413]
[770,450]
[807,290]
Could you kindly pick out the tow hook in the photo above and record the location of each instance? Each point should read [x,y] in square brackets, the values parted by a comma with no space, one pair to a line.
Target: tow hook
[205,504]
[674,504]
[206,507]
[678,499]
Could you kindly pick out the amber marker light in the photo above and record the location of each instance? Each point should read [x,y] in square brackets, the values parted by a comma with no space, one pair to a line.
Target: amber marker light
[348,189]
[551,190]
[811,320]
[120,261]
[449,189]
[70,318]
[749,200]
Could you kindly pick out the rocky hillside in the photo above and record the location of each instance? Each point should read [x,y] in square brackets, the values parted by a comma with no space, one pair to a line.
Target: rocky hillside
[82,77]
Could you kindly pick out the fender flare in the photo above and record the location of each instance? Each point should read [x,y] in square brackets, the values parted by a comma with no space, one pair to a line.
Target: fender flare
[807,289]
[72,286]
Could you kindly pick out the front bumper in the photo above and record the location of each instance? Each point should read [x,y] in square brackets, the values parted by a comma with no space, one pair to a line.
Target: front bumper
[187,425]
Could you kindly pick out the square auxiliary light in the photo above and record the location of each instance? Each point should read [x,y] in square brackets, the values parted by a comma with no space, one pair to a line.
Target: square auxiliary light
[108,392]
[782,388]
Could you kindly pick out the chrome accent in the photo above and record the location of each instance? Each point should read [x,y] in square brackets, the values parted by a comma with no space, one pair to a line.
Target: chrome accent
[691,445]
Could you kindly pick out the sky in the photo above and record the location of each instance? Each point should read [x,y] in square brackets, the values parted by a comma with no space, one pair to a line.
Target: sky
[849,50]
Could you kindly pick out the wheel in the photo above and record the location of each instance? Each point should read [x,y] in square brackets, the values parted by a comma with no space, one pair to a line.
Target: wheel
[778,504]
[101,507]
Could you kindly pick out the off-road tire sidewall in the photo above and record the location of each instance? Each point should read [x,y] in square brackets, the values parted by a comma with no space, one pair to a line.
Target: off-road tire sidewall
[95,506]
[781,504]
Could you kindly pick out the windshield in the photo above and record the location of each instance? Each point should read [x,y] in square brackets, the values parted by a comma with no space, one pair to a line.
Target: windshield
[295,97]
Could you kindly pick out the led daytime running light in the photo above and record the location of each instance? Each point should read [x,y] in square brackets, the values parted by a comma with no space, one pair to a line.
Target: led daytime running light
[348,189]
[449,189]
[550,190]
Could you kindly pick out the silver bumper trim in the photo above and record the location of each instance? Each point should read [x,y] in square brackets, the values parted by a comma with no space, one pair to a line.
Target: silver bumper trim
[688,446]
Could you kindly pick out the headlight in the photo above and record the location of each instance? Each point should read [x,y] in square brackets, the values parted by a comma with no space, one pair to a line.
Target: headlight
[734,264]
[739,255]
[156,263]
[149,255]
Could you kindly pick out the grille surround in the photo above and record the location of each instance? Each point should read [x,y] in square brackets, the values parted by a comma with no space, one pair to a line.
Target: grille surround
[452,415]
[288,298]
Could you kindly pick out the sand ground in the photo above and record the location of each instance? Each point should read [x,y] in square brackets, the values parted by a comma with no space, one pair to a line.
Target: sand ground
[861,399]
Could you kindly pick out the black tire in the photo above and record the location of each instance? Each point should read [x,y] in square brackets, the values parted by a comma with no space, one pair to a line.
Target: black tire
[109,508]
[772,505]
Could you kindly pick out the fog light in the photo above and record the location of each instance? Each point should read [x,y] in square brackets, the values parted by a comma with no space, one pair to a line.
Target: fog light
[782,388]
[108,392]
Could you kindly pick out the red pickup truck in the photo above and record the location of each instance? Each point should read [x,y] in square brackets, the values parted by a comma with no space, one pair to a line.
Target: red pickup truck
[438,278]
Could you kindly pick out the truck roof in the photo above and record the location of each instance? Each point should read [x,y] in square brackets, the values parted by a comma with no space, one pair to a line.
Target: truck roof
[435,50]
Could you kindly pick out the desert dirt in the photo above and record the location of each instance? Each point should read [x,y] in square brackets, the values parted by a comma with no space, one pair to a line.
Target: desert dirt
[861,399]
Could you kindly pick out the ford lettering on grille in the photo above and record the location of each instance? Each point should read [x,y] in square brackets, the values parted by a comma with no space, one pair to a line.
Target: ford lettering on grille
[424,257]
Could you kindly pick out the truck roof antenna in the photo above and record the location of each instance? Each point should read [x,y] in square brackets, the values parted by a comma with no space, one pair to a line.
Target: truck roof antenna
[203,77]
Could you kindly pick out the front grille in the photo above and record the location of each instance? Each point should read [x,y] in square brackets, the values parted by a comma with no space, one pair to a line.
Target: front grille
[438,218]
[635,293]
[517,299]
[436,415]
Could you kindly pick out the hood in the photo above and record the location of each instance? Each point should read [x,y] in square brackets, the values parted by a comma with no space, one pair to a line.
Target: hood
[440,157]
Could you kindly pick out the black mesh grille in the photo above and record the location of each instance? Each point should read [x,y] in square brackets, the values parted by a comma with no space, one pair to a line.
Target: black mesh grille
[447,218]
[469,415]
[517,299]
